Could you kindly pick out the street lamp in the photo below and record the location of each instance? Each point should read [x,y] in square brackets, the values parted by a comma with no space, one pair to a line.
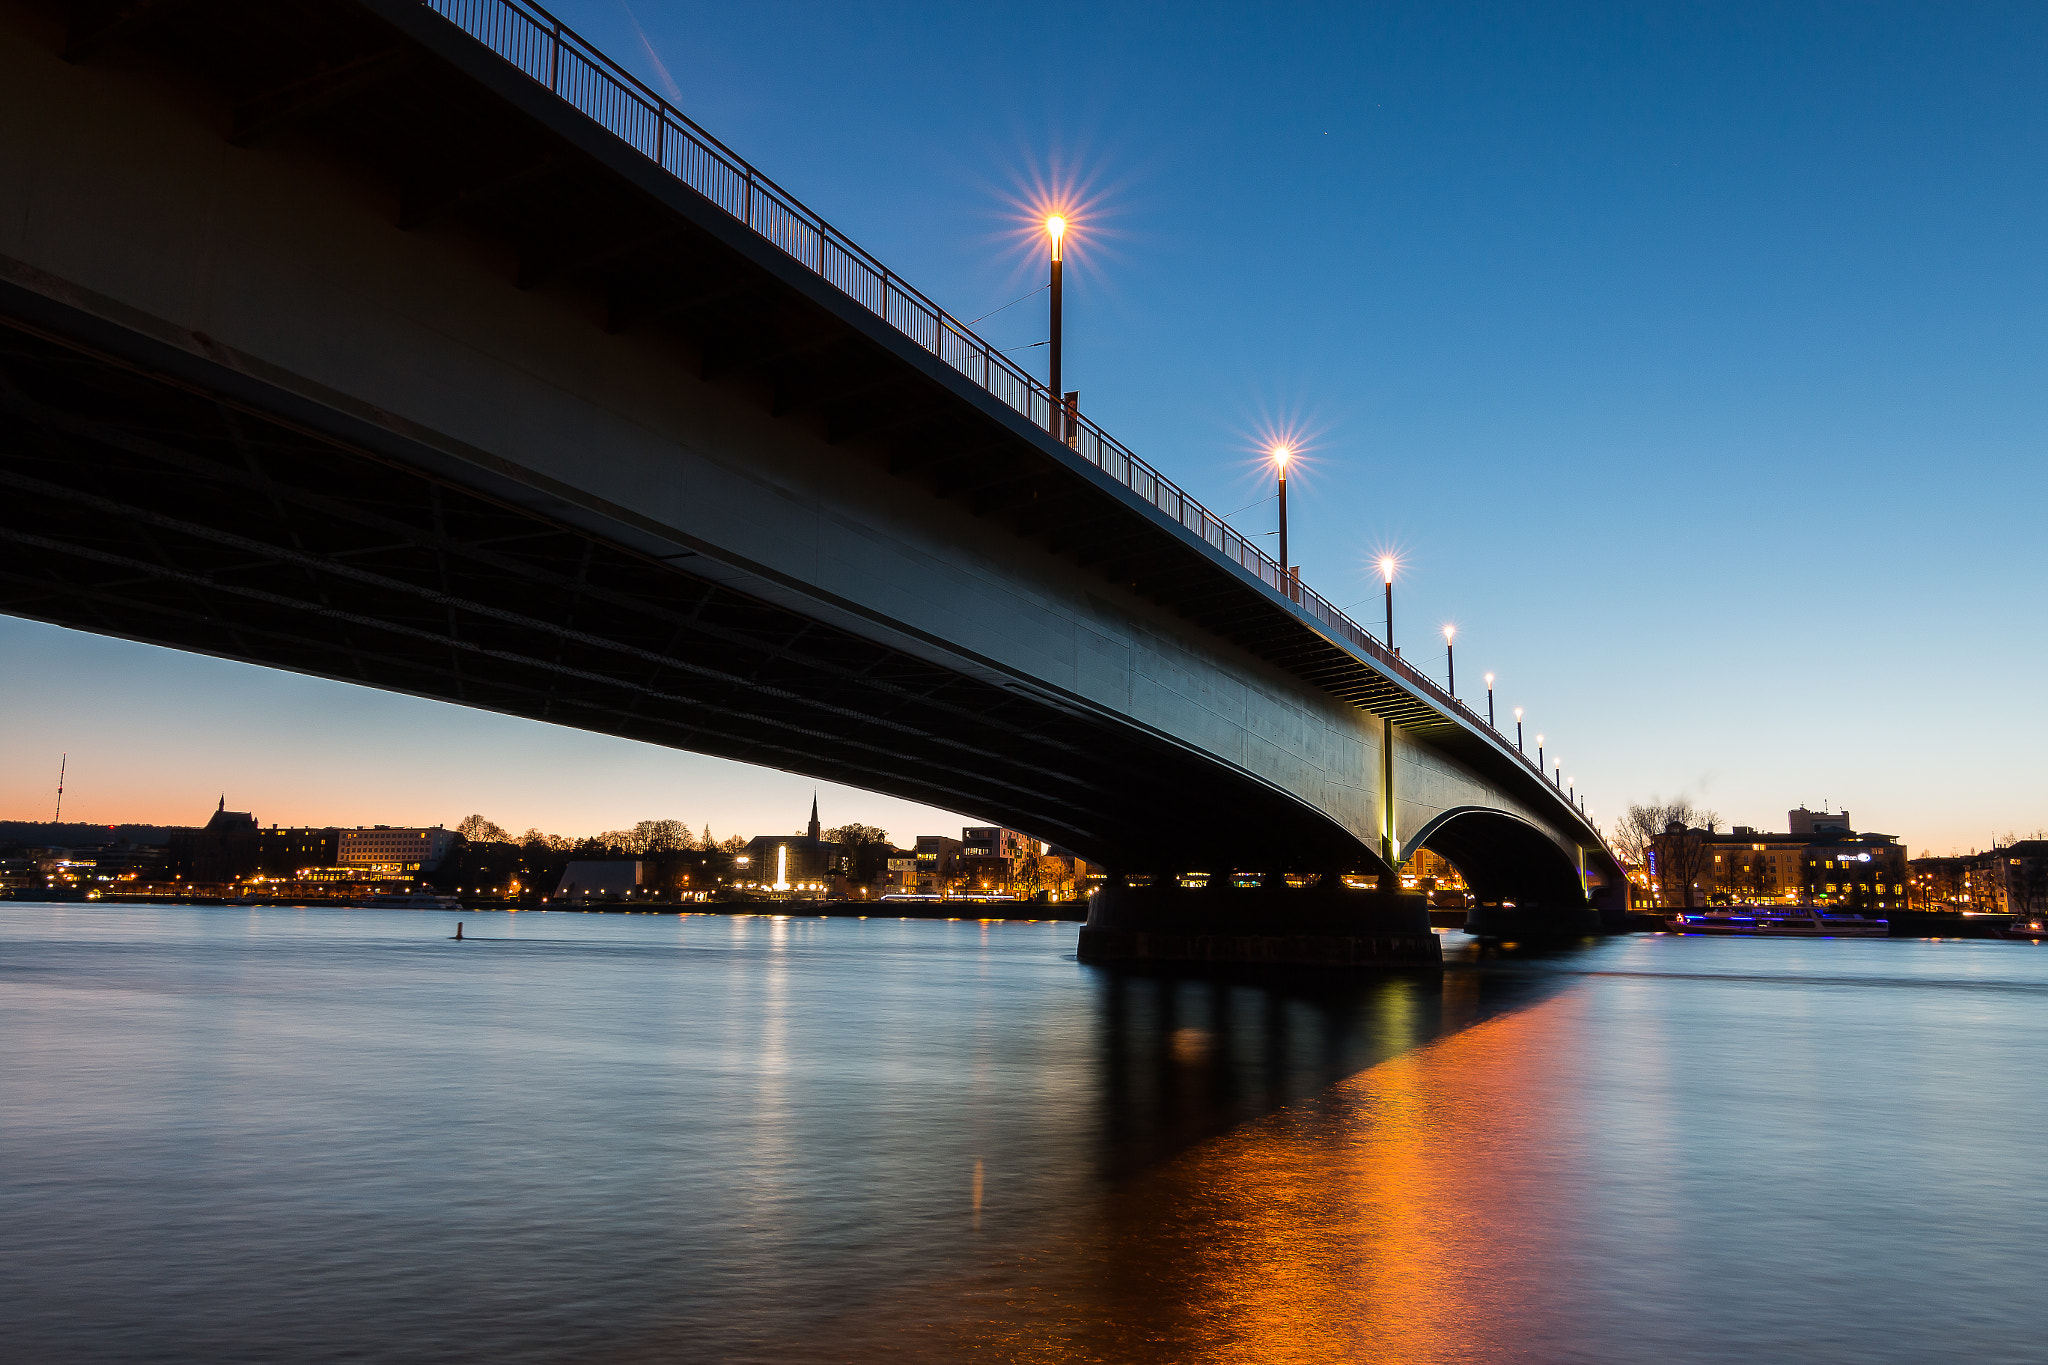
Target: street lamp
[1387,567]
[1539,753]
[1518,732]
[1451,660]
[1056,229]
[1489,703]
[1281,455]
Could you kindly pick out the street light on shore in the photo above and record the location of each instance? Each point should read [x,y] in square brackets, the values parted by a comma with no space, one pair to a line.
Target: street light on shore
[1387,566]
[1451,660]
[1056,229]
[1489,703]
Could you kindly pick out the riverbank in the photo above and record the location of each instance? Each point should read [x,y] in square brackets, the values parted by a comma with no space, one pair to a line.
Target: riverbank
[1028,911]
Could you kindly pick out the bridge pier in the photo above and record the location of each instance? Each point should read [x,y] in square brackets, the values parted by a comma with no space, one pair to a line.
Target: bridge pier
[1324,925]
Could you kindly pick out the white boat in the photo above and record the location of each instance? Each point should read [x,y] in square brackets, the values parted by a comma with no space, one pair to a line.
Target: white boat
[408,900]
[1766,922]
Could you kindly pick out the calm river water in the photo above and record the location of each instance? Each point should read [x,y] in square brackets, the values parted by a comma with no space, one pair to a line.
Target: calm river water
[243,1135]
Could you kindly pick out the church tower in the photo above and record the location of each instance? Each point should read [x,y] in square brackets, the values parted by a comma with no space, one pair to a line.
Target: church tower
[813,831]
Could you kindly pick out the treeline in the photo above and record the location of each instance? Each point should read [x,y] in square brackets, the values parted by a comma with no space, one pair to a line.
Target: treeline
[492,856]
[643,839]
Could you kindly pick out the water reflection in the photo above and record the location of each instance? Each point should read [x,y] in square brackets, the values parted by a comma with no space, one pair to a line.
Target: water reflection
[1186,1056]
[333,1136]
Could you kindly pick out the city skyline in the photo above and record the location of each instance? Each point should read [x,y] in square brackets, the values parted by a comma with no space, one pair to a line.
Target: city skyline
[1700,388]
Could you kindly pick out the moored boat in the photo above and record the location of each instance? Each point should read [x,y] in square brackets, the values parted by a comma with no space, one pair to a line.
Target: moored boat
[1766,922]
[2027,926]
[408,900]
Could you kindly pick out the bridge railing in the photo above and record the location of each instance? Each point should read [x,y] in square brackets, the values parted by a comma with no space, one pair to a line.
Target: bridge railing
[555,56]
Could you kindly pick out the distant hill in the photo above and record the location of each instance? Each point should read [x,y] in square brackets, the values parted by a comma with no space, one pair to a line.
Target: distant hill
[72,835]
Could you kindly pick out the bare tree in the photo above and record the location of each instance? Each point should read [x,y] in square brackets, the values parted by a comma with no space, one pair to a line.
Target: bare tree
[663,836]
[478,830]
[1668,837]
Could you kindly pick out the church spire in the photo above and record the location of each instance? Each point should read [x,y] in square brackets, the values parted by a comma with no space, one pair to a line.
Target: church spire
[814,815]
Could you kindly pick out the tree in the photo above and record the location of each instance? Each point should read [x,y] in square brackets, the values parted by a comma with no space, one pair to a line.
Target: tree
[478,830]
[1757,879]
[1667,837]
[663,836]
[865,850]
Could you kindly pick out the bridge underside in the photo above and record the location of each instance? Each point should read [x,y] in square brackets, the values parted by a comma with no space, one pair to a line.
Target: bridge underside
[152,506]
[489,408]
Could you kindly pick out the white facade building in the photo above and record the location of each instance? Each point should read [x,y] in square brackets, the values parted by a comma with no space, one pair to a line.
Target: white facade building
[383,846]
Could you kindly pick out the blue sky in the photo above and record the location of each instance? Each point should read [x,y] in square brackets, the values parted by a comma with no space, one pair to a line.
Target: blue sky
[1691,356]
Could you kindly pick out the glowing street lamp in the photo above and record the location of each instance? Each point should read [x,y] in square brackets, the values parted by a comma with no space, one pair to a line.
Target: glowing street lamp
[1489,703]
[1539,753]
[1387,566]
[1518,732]
[1056,229]
[1281,455]
[1451,660]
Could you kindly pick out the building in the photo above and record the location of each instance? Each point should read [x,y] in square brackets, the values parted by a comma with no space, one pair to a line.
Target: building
[609,880]
[803,863]
[286,852]
[221,850]
[989,857]
[935,856]
[1820,860]
[2007,880]
[408,849]
[1804,821]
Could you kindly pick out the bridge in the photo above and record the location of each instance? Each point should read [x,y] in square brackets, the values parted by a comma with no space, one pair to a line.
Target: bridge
[414,343]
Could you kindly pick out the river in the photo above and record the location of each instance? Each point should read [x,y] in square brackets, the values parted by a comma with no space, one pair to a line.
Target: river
[321,1135]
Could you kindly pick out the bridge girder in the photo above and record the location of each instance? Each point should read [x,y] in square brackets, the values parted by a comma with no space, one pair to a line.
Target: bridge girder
[571,214]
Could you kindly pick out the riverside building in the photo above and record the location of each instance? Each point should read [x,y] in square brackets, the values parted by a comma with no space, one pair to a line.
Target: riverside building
[411,850]
[1819,860]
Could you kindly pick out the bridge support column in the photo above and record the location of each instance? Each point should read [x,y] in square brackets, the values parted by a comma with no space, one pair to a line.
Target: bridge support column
[1324,925]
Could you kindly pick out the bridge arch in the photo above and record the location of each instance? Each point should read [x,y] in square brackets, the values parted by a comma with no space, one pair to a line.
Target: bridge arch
[1522,879]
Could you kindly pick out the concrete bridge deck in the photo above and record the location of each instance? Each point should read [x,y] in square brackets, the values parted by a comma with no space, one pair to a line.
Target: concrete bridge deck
[331,339]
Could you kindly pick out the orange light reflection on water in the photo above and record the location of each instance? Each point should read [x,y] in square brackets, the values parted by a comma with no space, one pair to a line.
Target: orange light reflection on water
[1423,1210]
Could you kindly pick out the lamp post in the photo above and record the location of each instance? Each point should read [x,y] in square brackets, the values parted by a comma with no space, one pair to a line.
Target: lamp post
[1489,703]
[1518,732]
[1281,455]
[1557,774]
[1387,572]
[1056,228]
[1451,660]
[1539,753]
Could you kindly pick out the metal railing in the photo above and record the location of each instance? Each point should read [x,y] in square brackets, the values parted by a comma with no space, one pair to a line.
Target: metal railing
[555,56]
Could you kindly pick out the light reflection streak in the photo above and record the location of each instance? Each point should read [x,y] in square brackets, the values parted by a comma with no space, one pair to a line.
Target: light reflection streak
[1426,1209]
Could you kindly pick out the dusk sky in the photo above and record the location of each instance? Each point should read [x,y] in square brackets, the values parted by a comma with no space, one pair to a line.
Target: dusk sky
[1694,360]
